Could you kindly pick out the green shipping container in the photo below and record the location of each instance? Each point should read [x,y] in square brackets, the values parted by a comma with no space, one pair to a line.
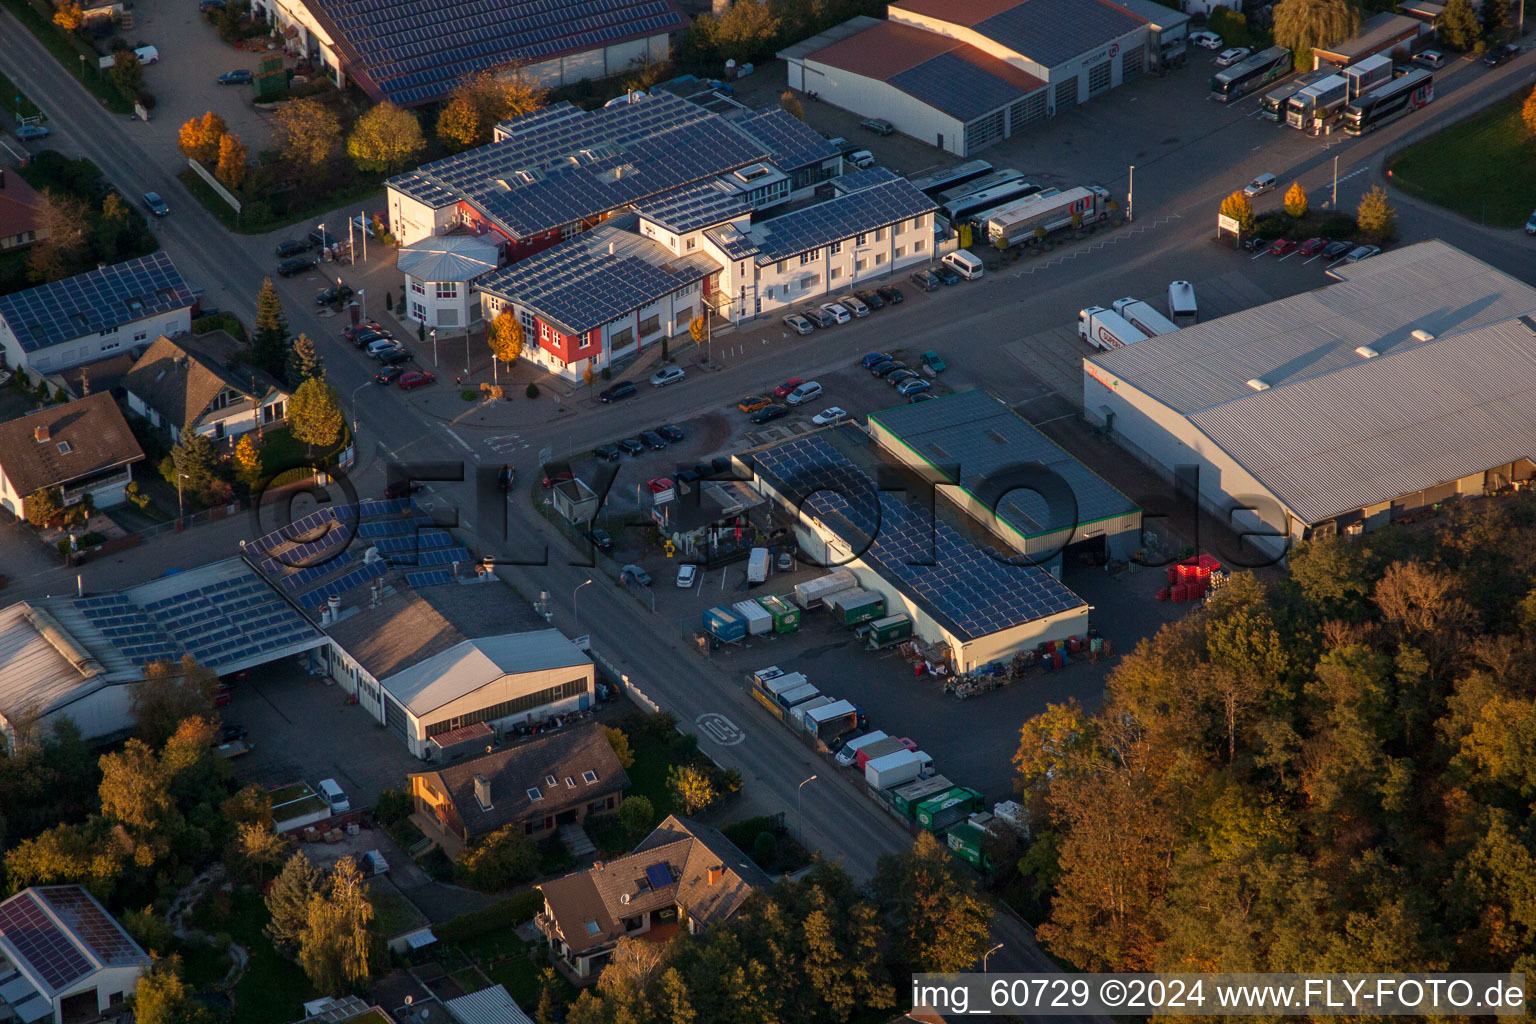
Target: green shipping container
[857,606]
[892,627]
[939,811]
[965,841]
[786,617]
[907,798]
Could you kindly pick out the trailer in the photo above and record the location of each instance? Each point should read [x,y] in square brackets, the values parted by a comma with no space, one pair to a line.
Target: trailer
[724,625]
[887,631]
[880,748]
[1273,102]
[791,699]
[1317,102]
[757,567]
[1367,74]
[1105,329]
[965,840]
[810,593]
[786,617]
[781,683]
[830,721]
[852,607]
[796,719]
[1051,210]
[895,768]
[760,677]
[905,798]
[942,810]
[1143,317]
[756,617]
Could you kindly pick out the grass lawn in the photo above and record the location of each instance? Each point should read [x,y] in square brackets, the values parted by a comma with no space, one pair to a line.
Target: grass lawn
[281,451]
[648,775]
[395,913]
[273,989]
[203,965]
[520,975]
[1480,167]
[468,979]
[502,942]
[363,192]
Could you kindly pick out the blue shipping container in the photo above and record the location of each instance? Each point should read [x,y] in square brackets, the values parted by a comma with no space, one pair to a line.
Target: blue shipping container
[724,624]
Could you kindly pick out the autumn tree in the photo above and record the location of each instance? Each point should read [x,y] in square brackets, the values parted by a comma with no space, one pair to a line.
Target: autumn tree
[789,102]
[231,167]
[744,31]
[691,787]
[248,462]
[92,854]
[1296,200]
[127,74]
[1457,28]
[1377,219]
[269,349]
[68,16]
[314,414]
[940,922]
[41,506]
[1240,208]
[63,228]
[304,362]
[107,232]
[199,137]
[1528,112]
[698,330]
[170,693]
[162,997]
[288,899]
[1303,24]
[458,123]
[1495,18]
[339,944]
[501,859]
[482,102]
[307,135]
[505,338]
[385,139]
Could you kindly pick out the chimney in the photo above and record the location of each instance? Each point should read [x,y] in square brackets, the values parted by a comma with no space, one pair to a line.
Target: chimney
[334,604]
[483,792]
[41,434]
[610,248]
[715,874]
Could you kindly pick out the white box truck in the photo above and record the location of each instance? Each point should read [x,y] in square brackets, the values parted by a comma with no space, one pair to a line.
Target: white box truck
[1051,210]
[798,713]
[1105,329]
[1317,102]
[1143,317]
[759,619]
[829,721]
[757,567]
[1367,74]
[894,769]
[812,592]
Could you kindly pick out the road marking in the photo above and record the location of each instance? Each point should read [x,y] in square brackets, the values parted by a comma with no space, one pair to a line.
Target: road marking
[1313,259]
[506,443]
[1124,233]
[1261,252]
[459,439]
[719,728]
[1287,255]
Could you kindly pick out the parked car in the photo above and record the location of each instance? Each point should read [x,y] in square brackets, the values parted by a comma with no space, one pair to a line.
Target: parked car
[670,433]
[1258,186]
[921,396]
[1432,59]
[222,696]
[839,313]
[853,304]
[878,125]
[752,403]
[861,158]
[334,294]
[871,358]
[769,412]
[789,385]
[291,247]
[321,239]
[1333,250]
[390,357]
[835,414]
[819,318]
[912,386]
[557,473]
[635,574]
[607,452]
[1282,247]
[687,573]
[654,441]
[945,275]
[294,265]
[798,324]
[388,374]
[784,562]
[932,360]
[229,732]
[239,76]
[1208,40]
[870,298]
[886,369]
[505,477]
[667,375]
[416,378]
[366,336]
[155,205]
[925,280]
[379,346]
[1226,58]
[807,392]
[600,540]
[1530,224]
[1507,52]
[1311,247]
[623,389]
[204,6]
[632,446]
[1362,252]
[891,294]
[402,488]
[897,376]
[28,132]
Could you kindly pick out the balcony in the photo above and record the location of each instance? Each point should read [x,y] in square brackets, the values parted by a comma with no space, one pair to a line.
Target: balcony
[78,489]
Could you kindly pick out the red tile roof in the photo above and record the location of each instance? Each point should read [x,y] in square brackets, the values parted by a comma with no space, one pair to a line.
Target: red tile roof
[887,49]
[18,205]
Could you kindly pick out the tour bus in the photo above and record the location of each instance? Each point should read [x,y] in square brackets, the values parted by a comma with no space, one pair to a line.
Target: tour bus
[932,184]
[1405,94]
[970,207]
[1273,102]
[1251,73]
[991,179]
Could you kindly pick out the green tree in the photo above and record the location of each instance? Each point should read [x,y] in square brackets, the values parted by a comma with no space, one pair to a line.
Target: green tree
[385,139]
[691,787]
[193,466]
[500,860]
[1296,200]
[1495,18]
[1240,208]
[288,899]
[127,74]
[41,506]
[109,227]
[790,102]
[620,744]
[940,922]
[307,135]
[151,931]
[168,694]
[1303,24]
[1457,27]
[270,345]
[339,945]
[304,362]
[1376,217]
[314,414]
[638,817]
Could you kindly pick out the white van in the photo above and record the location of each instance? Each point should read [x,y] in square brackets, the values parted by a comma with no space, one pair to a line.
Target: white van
[967,265]
[757,567]
[804,393]
[147,55]
[1181,303]
[334,798]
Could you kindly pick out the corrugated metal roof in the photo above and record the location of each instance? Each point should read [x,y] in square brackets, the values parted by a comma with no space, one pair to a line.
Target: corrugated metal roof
[1397,424]
[467,666]
[1380,302]
[447,258]
[492,1005]
[1377,32]
[37,677]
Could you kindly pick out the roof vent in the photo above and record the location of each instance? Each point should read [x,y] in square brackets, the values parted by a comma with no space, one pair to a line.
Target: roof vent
[41,434]
[483,792]
[334,603]
[624,898]
[1366,352]
[1422,335]
[1258,385]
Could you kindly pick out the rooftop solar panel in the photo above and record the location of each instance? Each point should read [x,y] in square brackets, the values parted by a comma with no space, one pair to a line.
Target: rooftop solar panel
[41,942]
[97,301]
[431,578]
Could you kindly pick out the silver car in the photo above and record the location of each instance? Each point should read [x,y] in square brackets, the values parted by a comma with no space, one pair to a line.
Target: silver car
[799,324]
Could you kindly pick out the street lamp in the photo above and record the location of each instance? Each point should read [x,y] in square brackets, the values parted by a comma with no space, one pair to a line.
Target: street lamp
[82,67]
[573,600]
[433,332]
[354,405]
[1130,197]
[799,814]
[180,507]
[988,953]
[362,301]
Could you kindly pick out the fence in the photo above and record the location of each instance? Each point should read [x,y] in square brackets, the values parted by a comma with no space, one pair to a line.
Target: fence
[634,692]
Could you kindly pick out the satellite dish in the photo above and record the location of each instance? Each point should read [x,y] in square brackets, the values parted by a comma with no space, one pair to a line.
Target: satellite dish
[624,898]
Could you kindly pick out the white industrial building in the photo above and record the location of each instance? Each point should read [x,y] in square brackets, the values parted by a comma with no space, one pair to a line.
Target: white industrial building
[964,74]
[1406,383]
[962,594]
[63,958]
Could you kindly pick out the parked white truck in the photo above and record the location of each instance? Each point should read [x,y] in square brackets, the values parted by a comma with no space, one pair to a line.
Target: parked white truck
[894,769]
[1105,329]
[1143,317]
[1051,210]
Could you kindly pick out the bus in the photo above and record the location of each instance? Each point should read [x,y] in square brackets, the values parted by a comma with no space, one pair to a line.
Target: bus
[1273,102]
[1403,95]
[1251,73]
[989,180]
[932,184]
[968,208]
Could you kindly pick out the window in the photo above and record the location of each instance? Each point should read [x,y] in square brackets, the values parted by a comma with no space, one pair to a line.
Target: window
[917,246]
[859,265]
[619,339]
[526,319]
[550,780]
[879,259]
[836,273]
[860,239]
[417,288]
[534,794]
[140,335]
[879,234]
[918,222]
[447,289]
[807,258]
[589,777]
[570,783]
[527,702]
[835,248]
[781,266]
[65,448]
[692,244]
[418,311]
[901,251]
[109,346]
[651,324]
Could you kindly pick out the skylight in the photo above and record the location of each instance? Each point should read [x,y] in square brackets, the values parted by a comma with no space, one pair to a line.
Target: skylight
[589,777]
[534,794]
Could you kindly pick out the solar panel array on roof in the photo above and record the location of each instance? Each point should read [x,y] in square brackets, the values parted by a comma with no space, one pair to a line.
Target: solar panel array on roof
[41,942]
[695,206]
[954,85]
[416,51]
[659,875]
[841,217]
[430,578]
[422,540]
[356,578]
[91,925]
[1052,32]
[793,143]
[971,587]
[99,300]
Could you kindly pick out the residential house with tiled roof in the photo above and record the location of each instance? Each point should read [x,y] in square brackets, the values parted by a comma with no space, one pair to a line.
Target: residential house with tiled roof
[683,874]
[63,958]
[20,217]
[76,449]
[177,384]
[83,318]
[553,780]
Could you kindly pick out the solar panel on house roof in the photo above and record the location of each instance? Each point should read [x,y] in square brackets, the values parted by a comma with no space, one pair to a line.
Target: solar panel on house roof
[431,578]
[356,578]
[91,925]
[98,300]
[793,143]
[659,875]
[40,941]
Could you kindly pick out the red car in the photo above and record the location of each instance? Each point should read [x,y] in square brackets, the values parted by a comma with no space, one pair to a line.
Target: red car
[1312,246]
[416,378]
[783,390]
[351,333]
[221,696]
[1282,247]
[557,475]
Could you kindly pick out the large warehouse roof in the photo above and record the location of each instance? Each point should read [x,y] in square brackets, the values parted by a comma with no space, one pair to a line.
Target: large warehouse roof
[1430,286]
[1048,32]
[979,440]
[445,677]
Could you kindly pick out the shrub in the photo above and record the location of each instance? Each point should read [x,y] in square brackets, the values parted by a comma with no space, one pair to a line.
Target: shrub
[91,539]
[532,390]
[508,913]
[500,860]
[607,374]
[495,391]
[468,395]
[394,805]
[764,848]
[1271,225]
[1339,226]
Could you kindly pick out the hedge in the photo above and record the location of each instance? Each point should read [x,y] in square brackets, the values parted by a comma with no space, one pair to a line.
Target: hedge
[509,913]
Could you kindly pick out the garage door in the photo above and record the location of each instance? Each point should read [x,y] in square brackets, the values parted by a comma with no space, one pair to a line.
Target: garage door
[1131,64]
[1066,93]
[983,132]
[1030,108]
[1099,77]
